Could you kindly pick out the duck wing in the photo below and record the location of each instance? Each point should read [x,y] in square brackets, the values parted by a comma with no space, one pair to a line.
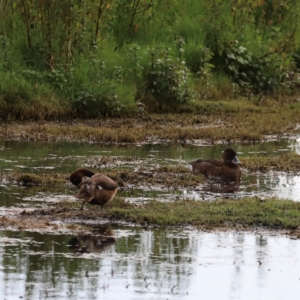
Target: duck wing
[214,162]
[88,187]
[86,191]
[103,182]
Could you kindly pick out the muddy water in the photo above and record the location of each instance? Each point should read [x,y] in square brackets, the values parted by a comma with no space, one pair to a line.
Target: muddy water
[149,264]
[65,157]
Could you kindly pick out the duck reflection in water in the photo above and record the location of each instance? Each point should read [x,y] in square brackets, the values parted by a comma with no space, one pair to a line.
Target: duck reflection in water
[226,170]
[94,188]
[95,242]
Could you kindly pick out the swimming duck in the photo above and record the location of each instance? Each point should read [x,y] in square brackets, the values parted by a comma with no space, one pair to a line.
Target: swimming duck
[226,169]
[94,188]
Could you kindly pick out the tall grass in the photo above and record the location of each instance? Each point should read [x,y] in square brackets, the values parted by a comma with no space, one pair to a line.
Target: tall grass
[99,56]
[22,100]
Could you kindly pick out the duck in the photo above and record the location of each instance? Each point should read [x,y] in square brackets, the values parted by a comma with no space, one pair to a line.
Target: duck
[226,169]
[94,188]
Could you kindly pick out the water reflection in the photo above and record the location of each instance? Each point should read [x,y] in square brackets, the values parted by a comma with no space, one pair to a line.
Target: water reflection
[95,242]
[150,264]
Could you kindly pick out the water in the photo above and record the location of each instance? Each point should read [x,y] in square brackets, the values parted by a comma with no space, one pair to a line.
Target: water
[65,157]
[151,264]
[62,156]
[135,263]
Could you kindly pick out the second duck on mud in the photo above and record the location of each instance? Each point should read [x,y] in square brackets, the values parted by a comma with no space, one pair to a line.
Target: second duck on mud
[94,188]
[226,169]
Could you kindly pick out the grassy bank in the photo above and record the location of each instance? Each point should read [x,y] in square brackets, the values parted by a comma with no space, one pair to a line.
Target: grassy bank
[272,213]
[240,214]
[245,213]
[226,121]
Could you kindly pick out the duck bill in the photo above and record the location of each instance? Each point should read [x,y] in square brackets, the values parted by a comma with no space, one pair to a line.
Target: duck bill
[236,160]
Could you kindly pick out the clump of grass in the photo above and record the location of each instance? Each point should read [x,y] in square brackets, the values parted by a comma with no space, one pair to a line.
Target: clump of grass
[150,177]
[172,169]
[30,179]
[271,213]
[142,177]
[287,162]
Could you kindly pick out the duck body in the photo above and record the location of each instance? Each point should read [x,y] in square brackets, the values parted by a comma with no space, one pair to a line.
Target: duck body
[226,169]
[96,189]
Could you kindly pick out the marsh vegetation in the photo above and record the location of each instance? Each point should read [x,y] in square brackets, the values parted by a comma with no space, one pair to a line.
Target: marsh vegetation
[146,72]
[226,210]
[136,89]
[73,59]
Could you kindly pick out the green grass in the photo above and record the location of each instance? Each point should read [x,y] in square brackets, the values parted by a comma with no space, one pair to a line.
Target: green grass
[287,162]
[21,99]
[245,213]
[271,213]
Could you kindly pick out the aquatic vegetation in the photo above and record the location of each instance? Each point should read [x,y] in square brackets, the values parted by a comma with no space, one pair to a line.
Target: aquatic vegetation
[169,177]
[142,174]
[287,162]
[172,169]
[176,177]
[30,179]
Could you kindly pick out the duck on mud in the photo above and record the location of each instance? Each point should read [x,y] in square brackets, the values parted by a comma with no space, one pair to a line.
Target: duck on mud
[226,169]
[94,188]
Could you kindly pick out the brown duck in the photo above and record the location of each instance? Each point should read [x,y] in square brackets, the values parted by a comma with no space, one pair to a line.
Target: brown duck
[94,188]
[226,169]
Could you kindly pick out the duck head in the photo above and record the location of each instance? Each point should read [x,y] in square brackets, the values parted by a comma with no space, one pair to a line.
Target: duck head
[230,155]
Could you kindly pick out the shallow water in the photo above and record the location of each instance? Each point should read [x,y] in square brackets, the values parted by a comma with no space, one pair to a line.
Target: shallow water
[150,264]
[62,156]
[65,157]
[135,263]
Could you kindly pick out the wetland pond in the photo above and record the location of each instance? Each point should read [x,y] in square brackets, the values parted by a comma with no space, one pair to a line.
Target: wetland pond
[127,262]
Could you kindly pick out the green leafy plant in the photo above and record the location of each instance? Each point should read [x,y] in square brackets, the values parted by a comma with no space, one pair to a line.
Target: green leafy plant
[164,81]
[257,73]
